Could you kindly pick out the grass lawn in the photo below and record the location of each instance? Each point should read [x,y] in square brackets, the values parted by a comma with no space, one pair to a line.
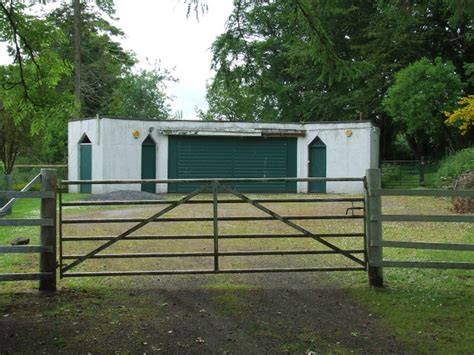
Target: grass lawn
[430,310]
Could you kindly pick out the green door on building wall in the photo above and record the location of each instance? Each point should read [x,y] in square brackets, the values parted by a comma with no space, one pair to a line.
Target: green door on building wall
[232,157]
[85,164]
[149,164]
[317,165]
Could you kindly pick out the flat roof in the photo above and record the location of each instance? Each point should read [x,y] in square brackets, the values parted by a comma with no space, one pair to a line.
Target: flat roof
[201,121]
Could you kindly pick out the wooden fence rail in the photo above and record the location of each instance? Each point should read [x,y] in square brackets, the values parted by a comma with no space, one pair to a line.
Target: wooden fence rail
[373,218]
[376,243]
[47,222]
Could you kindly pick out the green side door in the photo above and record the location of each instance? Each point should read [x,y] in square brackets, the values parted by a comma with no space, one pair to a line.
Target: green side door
[149,164]
[317,165]
[85,166]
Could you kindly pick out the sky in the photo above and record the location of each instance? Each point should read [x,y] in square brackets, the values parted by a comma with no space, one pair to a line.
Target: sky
[158,30]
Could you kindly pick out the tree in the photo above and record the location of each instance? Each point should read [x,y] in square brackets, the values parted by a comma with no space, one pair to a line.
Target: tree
[266,68]
[103,59]
[29,96]
[47,106]
[420,94]
[12,139]
[463,117]
[142,95]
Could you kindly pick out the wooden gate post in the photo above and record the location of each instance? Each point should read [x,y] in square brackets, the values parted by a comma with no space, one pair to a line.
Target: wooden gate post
[374,228]
[48,233]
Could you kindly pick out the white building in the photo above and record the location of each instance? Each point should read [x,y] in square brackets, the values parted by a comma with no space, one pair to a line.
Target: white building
[118,148]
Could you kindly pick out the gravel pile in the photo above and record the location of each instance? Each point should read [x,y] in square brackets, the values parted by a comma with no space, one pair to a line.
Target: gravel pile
[123,195]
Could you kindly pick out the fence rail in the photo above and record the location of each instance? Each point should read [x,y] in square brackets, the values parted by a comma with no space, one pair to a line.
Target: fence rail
[376,217]
[209,181]
[369,258]
[12,195]
[47,222]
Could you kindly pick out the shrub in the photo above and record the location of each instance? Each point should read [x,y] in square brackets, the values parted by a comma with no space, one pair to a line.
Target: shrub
[454,166]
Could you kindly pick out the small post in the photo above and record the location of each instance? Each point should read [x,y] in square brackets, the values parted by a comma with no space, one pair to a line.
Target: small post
[8,178]
[374,228]
[48,233]
[215,225]
[422,171]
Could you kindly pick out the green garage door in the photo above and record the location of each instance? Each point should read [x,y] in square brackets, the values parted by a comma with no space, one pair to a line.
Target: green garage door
[232,157]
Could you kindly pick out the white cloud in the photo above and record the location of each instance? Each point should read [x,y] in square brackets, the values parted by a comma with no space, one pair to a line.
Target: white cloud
[159,30]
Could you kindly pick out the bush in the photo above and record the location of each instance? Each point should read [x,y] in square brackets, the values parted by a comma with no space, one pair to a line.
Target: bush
[454,166]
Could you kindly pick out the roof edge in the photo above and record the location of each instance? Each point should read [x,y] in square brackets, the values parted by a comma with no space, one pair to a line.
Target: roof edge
[201,121]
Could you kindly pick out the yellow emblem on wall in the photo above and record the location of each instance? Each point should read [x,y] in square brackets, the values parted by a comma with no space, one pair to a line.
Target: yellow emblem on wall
[348,132]
[136,133]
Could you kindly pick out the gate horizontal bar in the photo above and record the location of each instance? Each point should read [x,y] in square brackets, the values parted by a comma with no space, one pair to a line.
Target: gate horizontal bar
[48,222]
[210,254]
[205,219]
[208,271]
[20,249]
[136,227]
[424,218]
[26,194]
[24,277]
[210,236]
[423,245]
[425,264]
[206,181]
[197,202]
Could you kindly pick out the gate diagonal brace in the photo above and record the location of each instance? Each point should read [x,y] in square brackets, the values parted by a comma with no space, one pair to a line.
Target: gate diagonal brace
[136,227]
[292,224]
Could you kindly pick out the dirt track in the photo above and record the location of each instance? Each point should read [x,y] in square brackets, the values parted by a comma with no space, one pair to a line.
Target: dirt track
[296,313]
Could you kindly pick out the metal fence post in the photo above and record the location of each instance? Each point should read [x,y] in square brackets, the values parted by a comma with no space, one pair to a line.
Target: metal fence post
[422,171]
[374,228]
[48,233]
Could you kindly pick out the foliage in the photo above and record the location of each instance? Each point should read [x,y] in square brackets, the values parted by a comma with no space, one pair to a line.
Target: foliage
[12,138]
[30,99]
[463,117]
[103,60]
[142,95]
[263,67]
[420,93]
[454,165]
[267,65]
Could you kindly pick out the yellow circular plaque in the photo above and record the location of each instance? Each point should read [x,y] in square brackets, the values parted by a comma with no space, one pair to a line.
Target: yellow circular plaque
[348,132]
[136,133]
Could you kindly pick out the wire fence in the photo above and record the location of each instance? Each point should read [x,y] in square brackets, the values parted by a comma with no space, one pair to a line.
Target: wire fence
[22,174]
[408,173]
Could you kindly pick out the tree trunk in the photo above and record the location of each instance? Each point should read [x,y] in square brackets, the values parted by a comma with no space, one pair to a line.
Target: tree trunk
[417,148]
[77,56]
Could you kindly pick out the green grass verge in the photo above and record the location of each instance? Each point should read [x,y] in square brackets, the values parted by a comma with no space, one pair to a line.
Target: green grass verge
[430,310]
[27,208]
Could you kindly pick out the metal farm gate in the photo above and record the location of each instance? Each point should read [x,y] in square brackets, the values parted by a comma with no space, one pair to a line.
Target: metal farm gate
[351,236]
[217,193]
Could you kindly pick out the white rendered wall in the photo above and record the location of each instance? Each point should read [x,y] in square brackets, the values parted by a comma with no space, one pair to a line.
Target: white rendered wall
[346,156]
[116,154]
[122,158]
